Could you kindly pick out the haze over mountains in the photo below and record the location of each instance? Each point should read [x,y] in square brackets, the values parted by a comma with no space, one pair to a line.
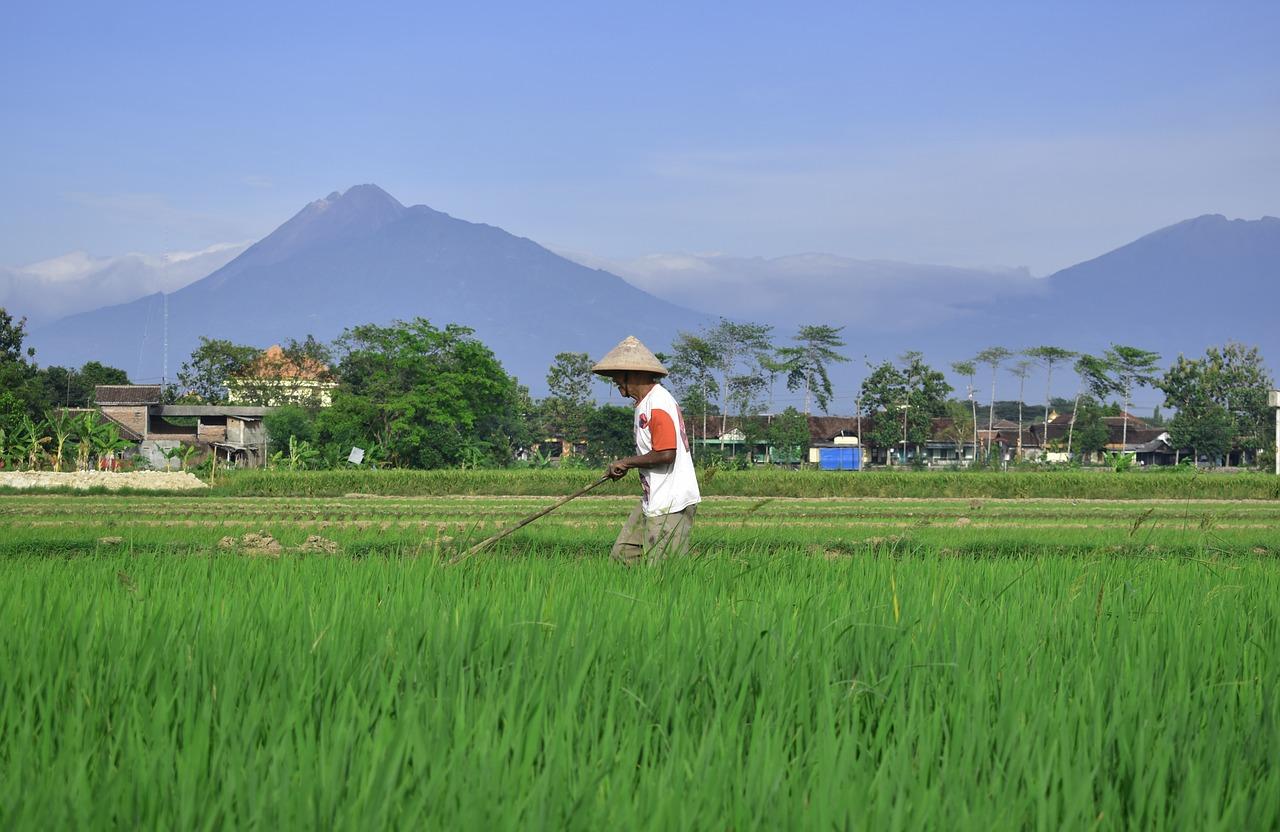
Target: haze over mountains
[78,282]
[361,257]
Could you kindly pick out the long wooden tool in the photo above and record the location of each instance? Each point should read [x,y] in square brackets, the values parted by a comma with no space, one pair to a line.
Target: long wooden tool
[526,521]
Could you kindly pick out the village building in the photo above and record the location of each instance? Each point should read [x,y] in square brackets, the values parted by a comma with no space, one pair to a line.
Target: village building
[234,433]
[273,380]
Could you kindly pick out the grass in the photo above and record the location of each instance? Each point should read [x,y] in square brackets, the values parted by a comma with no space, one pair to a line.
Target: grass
[816,664]
[1080,484]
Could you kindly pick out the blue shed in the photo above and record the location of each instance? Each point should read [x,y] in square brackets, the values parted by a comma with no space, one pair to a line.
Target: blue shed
[840,459]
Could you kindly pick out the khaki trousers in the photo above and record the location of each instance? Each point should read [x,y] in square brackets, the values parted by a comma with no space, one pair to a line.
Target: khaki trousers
[650,540]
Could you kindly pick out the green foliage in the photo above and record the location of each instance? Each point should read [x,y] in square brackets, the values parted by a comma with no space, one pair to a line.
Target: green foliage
[805,364]
[1232,378]
[1090,434]
[204,375]
[610,433]
[788,433]
[430,397]
[289,422]
[1206,428]
[75,388]
[21,393]
[905,398]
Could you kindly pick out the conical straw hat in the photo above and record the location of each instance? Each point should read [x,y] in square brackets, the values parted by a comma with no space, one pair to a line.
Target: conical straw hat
[630,354]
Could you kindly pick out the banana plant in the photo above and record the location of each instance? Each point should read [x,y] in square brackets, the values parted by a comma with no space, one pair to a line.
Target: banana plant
[30,441]
[170,454]
[184,456]
[62,429]
[87,431]
[108,441]
[301,454]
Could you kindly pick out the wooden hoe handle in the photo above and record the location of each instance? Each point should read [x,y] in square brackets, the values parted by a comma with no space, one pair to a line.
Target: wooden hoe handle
[526,521]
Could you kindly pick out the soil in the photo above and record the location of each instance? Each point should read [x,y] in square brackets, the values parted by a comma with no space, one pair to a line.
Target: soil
[112,480]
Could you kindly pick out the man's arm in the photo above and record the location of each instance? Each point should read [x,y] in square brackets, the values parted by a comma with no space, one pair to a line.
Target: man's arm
[619,468]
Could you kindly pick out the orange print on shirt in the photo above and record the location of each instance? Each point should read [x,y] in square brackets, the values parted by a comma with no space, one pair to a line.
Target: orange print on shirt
[662,430]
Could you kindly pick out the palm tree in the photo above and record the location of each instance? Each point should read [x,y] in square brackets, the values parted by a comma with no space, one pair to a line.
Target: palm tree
[1094,374]
[806,364]
[993,357]
[1130,367]
[1021,370]
[970,370]
[1048,356]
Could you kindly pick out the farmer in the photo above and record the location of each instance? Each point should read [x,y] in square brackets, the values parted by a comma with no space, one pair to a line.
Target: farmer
[659,527]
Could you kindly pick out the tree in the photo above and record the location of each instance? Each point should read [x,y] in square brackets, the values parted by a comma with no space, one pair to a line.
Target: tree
[424,394]
[570,377]
[289,422]
[1130,367]
[741,349]
[788,434]
[1206,428]
[76,388]
[906,397]
[746,393]
[1047,357]
[806,364]
[1021,370]
[1094,377]
[963,421]
[566,409]
[993,357]
[20,389]
[970,370]
[694,360]
[610,432]
[1232,378]
[211,364]
[1090,430]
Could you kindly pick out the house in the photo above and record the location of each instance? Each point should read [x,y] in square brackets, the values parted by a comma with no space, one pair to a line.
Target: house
[234,433]
[273,379]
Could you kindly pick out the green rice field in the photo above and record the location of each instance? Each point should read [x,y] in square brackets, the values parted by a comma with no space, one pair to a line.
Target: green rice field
[227,662]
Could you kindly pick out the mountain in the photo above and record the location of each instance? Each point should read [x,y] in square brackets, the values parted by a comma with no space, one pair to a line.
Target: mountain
[804,288]
[1182,288]
[78,282]
[362,257]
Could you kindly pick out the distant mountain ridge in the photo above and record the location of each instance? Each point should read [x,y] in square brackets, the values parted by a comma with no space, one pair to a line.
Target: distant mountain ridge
[361,256]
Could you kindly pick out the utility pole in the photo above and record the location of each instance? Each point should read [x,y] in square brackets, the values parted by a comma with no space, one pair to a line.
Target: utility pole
[903,408]
[857,406]
[1275,402]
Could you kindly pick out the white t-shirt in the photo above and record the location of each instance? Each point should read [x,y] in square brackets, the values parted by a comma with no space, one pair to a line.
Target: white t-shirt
[667,488]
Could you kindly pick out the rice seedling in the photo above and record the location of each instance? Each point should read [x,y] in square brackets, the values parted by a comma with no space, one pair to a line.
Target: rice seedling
[815,663]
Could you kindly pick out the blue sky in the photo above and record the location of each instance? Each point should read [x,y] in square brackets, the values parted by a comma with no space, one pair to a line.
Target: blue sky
[1034,134]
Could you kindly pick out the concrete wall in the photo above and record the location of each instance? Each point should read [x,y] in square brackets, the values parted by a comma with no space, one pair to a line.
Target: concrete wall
[150,450]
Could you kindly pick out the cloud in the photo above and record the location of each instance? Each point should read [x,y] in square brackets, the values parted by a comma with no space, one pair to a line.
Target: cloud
[77,281]
[803,288]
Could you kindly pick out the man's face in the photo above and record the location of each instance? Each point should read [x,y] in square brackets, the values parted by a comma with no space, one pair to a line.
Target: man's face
[626,384]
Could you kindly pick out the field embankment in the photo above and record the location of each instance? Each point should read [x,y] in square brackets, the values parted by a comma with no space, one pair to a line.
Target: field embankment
[1097,485]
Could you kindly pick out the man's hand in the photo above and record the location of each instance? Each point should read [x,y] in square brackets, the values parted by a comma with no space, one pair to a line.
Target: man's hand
[617,470]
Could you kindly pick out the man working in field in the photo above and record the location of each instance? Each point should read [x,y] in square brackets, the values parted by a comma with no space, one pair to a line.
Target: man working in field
[659,527]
